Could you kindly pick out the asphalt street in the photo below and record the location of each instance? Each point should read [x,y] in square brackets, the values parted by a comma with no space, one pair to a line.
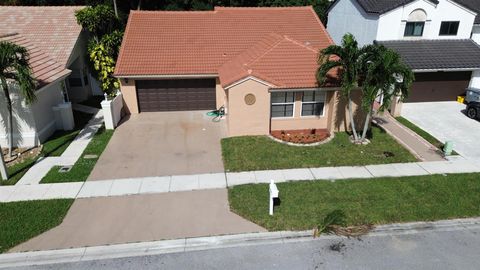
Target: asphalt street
[453,249]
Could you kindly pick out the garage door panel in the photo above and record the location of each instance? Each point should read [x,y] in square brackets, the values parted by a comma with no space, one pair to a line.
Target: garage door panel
[438,86]
[176,95]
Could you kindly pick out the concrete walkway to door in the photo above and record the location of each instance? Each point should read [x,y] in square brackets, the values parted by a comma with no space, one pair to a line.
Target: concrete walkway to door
[161,144]
[417,145]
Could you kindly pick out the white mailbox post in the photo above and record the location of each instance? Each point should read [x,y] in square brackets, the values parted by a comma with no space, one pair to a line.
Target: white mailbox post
[273,194]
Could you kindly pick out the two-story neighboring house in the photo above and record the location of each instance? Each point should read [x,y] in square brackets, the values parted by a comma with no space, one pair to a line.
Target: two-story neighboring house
[434,37]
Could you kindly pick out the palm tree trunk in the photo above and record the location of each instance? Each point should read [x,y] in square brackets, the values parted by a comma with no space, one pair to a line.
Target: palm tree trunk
[352,121]
[368,118]
[10,116]
[3,167]
[115,8]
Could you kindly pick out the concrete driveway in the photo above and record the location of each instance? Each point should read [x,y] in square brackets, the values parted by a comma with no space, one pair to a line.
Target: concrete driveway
[446,121]
[140,218]
[163,143]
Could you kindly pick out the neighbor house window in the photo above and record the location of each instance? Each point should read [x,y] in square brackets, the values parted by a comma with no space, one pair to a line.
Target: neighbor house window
[449,28]
[282,104]
[414,29]
[313,103]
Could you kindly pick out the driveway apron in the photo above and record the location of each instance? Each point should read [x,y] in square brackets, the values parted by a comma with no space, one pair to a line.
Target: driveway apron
[446,121]
[162,143]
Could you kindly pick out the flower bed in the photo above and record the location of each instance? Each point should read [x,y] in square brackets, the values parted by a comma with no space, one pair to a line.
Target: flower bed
[302,136]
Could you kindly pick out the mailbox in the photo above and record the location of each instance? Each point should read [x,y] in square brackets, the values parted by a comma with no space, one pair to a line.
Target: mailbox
[273,194]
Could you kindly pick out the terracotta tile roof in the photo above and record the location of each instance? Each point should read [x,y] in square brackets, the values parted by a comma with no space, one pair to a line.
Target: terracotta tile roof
[45,69]
[53,30]
[279,60]
[201,42]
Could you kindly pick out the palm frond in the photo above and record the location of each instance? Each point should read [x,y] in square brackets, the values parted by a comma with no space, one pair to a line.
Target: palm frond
[14,65]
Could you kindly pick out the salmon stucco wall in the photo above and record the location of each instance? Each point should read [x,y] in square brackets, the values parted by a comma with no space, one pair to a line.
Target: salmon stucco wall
[340,121]
[246,119]
[129,93]
[221,95]
[304,122]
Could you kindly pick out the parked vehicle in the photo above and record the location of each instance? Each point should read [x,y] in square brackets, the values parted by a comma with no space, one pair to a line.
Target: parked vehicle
[472,99]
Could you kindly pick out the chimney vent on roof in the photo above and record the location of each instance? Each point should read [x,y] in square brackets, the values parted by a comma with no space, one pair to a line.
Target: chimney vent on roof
[307,43]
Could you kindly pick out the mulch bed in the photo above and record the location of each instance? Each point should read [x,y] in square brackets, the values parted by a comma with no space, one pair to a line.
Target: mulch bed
[302,136]
[20,154]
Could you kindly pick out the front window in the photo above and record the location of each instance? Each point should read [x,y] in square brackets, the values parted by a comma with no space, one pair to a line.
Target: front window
[282,104]
[313,103]
[449,28]
[414,29]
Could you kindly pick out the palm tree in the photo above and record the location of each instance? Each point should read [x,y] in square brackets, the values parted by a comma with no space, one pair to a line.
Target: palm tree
[384,76]
[346,58]
[14,67]
[3,167]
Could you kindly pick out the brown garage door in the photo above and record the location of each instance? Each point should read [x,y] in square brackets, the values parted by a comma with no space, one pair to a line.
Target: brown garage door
[438,86]
[176,95]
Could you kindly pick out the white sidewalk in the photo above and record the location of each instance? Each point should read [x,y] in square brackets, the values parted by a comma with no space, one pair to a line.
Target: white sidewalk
[119,187]
[73,152]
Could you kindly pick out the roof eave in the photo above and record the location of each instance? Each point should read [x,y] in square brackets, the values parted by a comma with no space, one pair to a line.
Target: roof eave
[165,76]
[444,69]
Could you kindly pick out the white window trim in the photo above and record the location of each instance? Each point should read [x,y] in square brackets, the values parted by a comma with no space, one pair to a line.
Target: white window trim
[314,102]
[284,103]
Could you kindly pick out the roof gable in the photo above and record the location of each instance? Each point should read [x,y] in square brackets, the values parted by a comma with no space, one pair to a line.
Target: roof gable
[294,63]
[165,42]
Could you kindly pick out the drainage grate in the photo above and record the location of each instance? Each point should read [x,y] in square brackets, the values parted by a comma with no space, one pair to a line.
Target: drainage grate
[65,169]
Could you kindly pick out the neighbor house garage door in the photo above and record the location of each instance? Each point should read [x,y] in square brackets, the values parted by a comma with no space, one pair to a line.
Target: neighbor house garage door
[438,86]
[176,95]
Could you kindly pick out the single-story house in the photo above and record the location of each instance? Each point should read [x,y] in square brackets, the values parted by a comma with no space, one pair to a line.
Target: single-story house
[257,63]
[57,49]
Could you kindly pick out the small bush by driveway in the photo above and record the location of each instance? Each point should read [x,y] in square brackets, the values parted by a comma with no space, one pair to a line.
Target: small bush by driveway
[248,153]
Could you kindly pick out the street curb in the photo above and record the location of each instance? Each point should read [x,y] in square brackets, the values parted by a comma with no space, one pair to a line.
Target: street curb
[214,242]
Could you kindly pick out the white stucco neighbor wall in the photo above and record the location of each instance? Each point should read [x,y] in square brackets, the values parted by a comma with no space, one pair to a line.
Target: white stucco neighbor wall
[43,115]
[476,33]
[391,25]
[475,81]
[24,132]
[33,123]
[347,16]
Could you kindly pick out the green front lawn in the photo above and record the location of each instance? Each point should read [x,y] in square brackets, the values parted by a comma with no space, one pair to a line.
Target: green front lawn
[55,145]
[61,139]
[20,221]
[304,204]
[248,153]
[82,168]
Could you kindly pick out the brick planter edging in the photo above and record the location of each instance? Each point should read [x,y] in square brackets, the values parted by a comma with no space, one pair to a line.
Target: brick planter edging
[304,144]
